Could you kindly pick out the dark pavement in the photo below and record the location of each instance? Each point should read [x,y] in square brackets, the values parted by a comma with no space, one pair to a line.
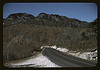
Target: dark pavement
[65,60]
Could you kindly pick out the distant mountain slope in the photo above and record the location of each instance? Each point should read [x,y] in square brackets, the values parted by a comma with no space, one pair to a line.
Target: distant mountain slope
[18,18]
[44,19]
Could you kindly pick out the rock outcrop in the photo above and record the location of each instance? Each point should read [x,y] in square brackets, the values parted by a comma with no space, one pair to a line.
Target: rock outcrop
[44,19]
[18,18]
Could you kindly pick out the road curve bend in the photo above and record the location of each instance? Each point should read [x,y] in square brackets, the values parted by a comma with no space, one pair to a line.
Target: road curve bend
[65,60]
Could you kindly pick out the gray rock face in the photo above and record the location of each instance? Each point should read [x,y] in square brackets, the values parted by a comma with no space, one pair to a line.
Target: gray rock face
[18,18]
[56,17]
[44,19]
[21,16]
[50,17]
[62,20]
[42,16]
[77,23]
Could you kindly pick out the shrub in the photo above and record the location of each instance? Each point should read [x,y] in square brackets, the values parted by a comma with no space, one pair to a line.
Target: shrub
[20,40]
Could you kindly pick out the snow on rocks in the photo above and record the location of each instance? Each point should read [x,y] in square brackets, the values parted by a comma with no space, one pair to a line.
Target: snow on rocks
[89,55]
[57,48]
[44,47]
[39,61]
[54,47]
[85,55]
[74,53]
[62,49]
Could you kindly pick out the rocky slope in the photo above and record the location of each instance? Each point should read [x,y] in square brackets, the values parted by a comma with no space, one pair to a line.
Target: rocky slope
[18,18]
[24,34]
[44,19]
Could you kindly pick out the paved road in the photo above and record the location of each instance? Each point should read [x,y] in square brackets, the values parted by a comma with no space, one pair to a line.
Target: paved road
[64,60]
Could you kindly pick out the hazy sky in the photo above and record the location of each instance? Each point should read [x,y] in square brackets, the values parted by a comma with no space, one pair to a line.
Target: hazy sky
[82,11]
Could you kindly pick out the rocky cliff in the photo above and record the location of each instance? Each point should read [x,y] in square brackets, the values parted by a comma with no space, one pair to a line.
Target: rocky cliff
[44,19]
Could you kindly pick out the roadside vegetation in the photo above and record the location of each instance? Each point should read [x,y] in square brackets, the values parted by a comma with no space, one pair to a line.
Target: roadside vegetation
[21,40]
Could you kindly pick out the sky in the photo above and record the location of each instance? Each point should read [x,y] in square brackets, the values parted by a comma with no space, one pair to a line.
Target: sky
[82,11]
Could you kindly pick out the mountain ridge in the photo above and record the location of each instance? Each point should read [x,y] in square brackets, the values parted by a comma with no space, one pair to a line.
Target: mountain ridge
[44,19]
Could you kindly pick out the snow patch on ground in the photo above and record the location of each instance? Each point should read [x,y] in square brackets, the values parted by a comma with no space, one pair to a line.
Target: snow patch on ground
[43,61]
[88,55]
[38,61]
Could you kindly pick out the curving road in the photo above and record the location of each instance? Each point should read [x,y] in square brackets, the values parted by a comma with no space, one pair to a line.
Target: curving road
[64,60]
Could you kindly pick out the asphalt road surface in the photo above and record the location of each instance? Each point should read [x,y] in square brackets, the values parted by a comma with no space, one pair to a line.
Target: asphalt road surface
[65,60]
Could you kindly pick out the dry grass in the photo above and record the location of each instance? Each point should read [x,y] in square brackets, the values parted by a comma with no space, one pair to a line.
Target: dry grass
[20,40]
